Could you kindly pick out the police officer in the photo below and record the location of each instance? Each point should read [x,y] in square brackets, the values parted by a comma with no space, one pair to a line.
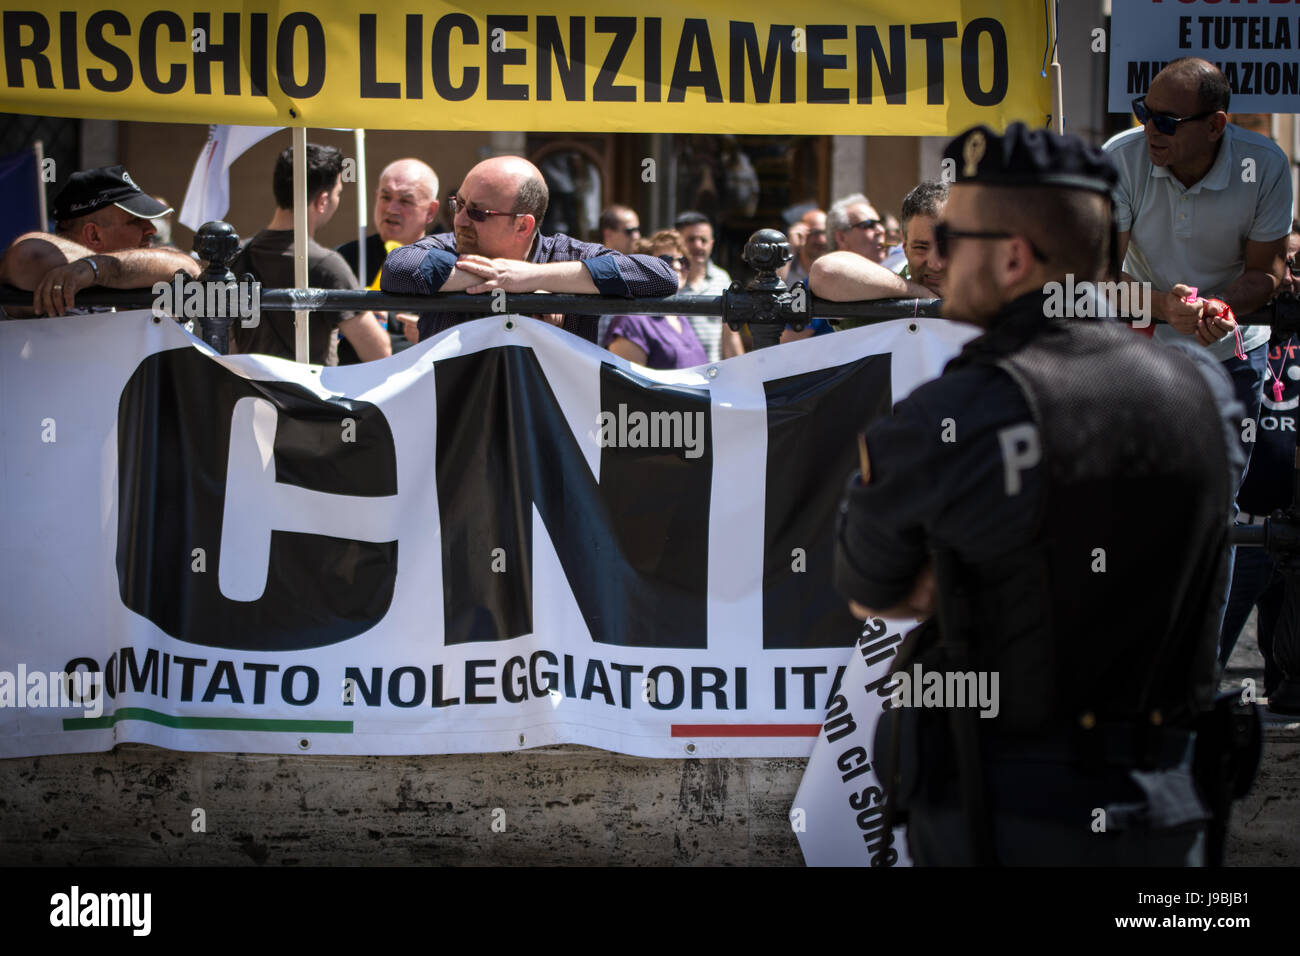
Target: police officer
[1056,505]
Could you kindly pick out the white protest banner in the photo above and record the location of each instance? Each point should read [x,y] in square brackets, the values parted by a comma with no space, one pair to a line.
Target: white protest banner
[1256,45]
[839,812]
[502,538]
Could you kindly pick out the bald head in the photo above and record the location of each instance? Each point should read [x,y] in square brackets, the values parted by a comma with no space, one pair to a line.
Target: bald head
[406,200]
[518,177]
[503,184]
[1199,78]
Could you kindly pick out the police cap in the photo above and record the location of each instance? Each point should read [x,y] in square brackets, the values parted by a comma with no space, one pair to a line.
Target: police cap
[1030,157]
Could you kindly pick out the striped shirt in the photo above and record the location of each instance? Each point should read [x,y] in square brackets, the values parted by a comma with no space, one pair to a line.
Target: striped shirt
[708,328]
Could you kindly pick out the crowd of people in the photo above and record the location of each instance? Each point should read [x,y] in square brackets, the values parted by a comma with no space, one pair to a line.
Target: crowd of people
[108,232]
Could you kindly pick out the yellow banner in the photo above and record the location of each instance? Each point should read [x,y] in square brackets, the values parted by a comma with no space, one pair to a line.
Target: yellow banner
[868,67]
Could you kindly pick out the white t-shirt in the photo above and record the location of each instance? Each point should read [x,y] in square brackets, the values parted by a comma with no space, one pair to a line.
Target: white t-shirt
[1198,235]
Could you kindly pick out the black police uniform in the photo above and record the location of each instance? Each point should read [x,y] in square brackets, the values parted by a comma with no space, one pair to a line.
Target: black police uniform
[1072,483]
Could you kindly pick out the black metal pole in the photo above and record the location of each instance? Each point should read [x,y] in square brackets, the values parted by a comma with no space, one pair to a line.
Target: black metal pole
[217,242]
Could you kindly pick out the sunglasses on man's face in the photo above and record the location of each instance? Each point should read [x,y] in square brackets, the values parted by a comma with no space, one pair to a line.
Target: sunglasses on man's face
[478,215]
[865,224]
[1165,123]
[944,235]
[677,262]
[631,230]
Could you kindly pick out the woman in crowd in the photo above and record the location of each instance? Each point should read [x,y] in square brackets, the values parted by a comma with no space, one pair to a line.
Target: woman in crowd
[658,341]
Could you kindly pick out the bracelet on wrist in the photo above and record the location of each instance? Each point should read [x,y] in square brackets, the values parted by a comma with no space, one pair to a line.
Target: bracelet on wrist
[94,267]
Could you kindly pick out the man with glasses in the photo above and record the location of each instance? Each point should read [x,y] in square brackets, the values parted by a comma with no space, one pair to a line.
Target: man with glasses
[812,248]
[496,244]
[620,227]
[854,225]
[845,277]
[1053,504]
[1203,208]
[1203,205]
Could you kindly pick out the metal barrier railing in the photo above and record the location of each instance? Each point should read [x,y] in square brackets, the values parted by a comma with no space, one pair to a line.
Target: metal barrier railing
[764,302]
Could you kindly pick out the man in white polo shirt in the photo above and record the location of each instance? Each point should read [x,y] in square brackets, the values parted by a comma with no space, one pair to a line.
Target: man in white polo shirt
[1203,204]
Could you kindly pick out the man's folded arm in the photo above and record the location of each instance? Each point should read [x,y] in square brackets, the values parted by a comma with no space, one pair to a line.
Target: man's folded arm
[848,277]
[30,257]
[636,275]
[420,269]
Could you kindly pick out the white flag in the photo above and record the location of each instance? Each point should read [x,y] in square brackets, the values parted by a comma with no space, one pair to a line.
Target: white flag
[208,196]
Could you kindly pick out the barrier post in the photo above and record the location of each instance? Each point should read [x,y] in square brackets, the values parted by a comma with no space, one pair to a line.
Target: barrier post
[217,243]
[765,301]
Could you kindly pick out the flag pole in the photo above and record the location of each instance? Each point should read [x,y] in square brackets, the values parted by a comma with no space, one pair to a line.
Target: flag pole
[301,317]
[1058,118]
[362,275]
[39,148]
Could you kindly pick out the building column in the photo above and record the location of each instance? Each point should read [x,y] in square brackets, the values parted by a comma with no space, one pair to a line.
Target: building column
[99,145]
[848,165]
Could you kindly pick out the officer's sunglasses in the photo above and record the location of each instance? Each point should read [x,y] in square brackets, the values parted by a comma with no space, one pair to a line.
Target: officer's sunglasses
[478,215]
[1163,122]
[943,236]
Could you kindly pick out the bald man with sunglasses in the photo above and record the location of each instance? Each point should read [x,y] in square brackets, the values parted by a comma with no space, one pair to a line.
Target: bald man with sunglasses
[497,244]
[1205,205]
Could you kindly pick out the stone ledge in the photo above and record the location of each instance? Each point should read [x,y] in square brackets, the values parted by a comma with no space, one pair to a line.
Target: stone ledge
[563,805]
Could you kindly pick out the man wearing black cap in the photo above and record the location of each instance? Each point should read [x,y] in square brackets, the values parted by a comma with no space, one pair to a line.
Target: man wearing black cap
[1055,505]
[105,222]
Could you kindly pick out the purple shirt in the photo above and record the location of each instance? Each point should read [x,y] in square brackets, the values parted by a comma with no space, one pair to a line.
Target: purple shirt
[664,347]
[423,266]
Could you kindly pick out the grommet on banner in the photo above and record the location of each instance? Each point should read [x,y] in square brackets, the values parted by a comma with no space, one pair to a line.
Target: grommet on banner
[713,371]
[690,748]
[521,740]
[510,324]
[304,744]
[913,328]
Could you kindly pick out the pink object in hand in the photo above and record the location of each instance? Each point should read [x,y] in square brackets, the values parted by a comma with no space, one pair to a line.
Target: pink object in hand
[1192,298]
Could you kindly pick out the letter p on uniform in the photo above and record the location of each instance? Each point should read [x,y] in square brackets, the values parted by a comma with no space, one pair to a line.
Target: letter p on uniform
[1020,452]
